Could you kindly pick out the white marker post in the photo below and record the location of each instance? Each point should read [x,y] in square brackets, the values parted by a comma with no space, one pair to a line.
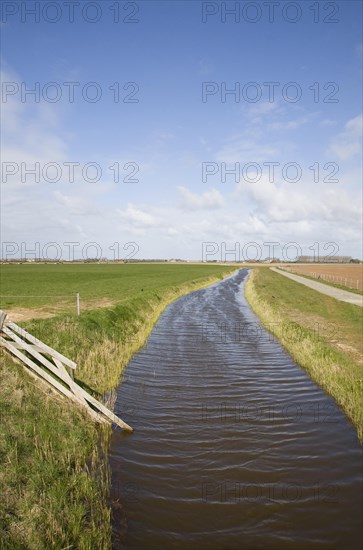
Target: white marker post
[78,305]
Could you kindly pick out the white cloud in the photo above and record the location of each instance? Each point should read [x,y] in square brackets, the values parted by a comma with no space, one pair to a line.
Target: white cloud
[288,124]
[348,143]
[302,202]
[209,200]
[137,217]
[328,122]
[32,129]
[262,109]
[172,232]
[77,205]
[246,150]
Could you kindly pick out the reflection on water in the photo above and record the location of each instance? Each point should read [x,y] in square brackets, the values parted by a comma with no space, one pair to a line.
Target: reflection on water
[234,446]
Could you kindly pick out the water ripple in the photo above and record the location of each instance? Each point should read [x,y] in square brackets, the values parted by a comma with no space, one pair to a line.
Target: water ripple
[234,446]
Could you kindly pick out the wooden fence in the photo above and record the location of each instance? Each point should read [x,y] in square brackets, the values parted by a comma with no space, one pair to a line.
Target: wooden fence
[57,370]
[335,279]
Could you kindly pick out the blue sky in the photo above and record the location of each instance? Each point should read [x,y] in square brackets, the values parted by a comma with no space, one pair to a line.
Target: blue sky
[170,133]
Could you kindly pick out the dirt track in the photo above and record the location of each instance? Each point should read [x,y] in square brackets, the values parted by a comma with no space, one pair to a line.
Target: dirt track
[349,275]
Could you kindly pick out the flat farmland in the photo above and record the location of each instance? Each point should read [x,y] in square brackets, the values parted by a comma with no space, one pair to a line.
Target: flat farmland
[44,290]
[347,275]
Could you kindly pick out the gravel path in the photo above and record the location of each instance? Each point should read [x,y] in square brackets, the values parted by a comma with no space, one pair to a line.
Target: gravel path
[337,293]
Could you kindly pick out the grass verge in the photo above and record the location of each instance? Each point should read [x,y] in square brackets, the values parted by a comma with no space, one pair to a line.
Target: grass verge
[329,283]
[322,334]
[54,479]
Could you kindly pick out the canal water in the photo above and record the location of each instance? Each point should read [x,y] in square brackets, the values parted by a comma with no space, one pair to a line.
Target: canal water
[234,446]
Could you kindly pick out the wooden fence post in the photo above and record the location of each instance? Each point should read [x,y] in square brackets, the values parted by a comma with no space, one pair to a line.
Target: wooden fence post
[2,319]
[35,355]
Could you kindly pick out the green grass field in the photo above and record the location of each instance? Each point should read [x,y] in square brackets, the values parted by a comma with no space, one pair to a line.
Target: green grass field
[322,334]
[53,288]
[53,474]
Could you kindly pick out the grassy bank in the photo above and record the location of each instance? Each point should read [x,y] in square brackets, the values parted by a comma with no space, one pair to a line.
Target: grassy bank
[53,482]
[322,334]
[53,478]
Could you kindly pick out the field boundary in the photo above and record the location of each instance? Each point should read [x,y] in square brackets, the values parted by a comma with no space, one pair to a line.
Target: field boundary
[333,292]
[316,271]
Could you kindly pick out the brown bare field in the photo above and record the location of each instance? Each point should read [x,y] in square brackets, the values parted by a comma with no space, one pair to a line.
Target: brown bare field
[17,314]
[349,275]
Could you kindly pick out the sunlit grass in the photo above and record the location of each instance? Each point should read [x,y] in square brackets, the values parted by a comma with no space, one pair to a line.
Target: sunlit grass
[47,489]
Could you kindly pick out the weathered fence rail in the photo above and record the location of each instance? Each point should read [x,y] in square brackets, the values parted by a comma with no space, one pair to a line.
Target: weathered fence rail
[46,363]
